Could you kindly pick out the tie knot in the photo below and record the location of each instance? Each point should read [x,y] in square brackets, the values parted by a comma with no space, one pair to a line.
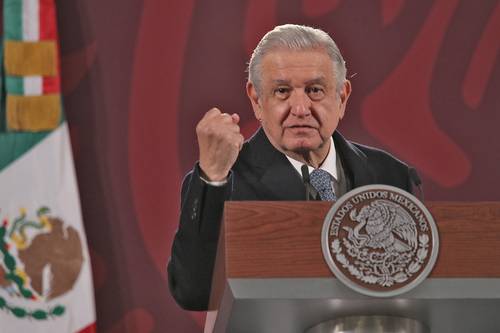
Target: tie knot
[322,182]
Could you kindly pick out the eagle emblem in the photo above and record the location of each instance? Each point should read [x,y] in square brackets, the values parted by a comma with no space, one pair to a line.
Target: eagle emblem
[387,226]
[380,240]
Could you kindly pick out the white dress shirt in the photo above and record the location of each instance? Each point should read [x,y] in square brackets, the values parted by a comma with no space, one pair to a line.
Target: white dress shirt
[329,164]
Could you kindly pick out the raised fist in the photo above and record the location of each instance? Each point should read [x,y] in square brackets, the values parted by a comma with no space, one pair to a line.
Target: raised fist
[219,141]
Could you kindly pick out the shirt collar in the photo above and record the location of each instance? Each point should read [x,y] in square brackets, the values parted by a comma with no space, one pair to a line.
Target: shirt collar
[329,165]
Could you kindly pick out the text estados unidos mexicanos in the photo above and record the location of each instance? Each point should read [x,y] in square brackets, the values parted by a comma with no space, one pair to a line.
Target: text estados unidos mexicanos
[349,205]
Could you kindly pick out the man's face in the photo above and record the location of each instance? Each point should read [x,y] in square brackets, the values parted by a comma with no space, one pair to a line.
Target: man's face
[299,106]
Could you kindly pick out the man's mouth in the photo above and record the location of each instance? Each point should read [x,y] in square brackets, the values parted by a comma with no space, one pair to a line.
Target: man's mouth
[301,130]
[301,126]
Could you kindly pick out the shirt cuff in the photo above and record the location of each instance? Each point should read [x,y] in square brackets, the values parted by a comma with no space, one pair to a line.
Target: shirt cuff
[214,183]
[218,183]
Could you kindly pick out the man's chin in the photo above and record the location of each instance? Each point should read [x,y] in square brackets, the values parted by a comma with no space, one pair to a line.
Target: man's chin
[302,150]
[304,146]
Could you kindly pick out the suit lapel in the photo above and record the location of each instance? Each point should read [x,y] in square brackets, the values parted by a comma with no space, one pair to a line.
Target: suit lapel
[275,170]
[282,172]
[354,161]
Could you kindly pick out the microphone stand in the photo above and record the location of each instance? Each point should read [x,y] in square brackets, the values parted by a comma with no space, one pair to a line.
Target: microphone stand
[307,182]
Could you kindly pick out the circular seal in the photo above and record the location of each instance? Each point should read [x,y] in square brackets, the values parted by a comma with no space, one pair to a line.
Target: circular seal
[380,240]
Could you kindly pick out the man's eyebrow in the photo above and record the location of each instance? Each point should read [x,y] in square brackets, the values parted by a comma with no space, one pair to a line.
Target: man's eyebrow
[279,81]
[320,80]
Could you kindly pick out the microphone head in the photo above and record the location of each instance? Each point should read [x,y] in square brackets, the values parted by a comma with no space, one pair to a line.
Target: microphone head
[414,176]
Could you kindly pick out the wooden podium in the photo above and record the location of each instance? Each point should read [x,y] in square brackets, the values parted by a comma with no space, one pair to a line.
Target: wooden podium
[270,275]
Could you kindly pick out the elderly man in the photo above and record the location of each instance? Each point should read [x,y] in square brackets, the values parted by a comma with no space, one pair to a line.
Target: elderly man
[298,90]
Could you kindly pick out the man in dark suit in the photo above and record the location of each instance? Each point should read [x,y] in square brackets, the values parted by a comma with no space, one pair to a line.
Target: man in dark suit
[298,90]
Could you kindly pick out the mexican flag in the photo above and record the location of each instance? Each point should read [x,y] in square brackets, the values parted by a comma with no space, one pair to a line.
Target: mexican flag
[45,272]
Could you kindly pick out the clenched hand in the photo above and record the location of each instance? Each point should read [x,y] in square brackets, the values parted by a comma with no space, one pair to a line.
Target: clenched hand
[219,141]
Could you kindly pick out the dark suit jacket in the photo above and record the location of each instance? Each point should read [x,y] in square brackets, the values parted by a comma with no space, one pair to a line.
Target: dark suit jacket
[260,173]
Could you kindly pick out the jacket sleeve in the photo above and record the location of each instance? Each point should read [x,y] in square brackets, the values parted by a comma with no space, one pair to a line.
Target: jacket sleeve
[194,248]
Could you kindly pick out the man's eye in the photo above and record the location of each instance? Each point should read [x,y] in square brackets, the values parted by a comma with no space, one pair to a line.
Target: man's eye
[315,92]
[281,91]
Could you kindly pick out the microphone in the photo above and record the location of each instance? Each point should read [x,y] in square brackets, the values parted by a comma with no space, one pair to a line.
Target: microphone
[307,182]
[414,177]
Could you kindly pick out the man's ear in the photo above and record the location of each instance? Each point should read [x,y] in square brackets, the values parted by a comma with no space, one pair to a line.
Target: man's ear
[254,99]
[344,94]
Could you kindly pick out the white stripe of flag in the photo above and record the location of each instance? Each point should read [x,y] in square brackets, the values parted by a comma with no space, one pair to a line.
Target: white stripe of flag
[33,85]
[31,20]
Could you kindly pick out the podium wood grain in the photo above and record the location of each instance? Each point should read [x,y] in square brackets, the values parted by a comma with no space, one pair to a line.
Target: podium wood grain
[283,239]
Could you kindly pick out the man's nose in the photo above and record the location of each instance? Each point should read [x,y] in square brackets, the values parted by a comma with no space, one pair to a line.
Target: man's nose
[300,104]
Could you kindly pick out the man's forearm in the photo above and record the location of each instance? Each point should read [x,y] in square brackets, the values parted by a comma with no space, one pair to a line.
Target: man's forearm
[194,249]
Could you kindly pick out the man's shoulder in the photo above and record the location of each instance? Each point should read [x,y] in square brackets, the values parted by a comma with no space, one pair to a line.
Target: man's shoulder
[365,153]
[373,165]
[374,153]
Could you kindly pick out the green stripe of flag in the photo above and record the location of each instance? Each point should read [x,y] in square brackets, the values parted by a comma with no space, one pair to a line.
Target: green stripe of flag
[13,19]
[14,145]
[14,85]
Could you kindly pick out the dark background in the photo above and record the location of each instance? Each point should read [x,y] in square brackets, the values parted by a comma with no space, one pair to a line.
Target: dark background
[139,74]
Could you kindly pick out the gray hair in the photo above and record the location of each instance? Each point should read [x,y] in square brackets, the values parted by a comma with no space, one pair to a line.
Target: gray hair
[295,37]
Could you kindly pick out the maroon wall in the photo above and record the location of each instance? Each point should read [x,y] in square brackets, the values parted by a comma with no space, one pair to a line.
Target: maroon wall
[139,74]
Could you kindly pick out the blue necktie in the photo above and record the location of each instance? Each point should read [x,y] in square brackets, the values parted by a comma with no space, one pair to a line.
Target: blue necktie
[322,182]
